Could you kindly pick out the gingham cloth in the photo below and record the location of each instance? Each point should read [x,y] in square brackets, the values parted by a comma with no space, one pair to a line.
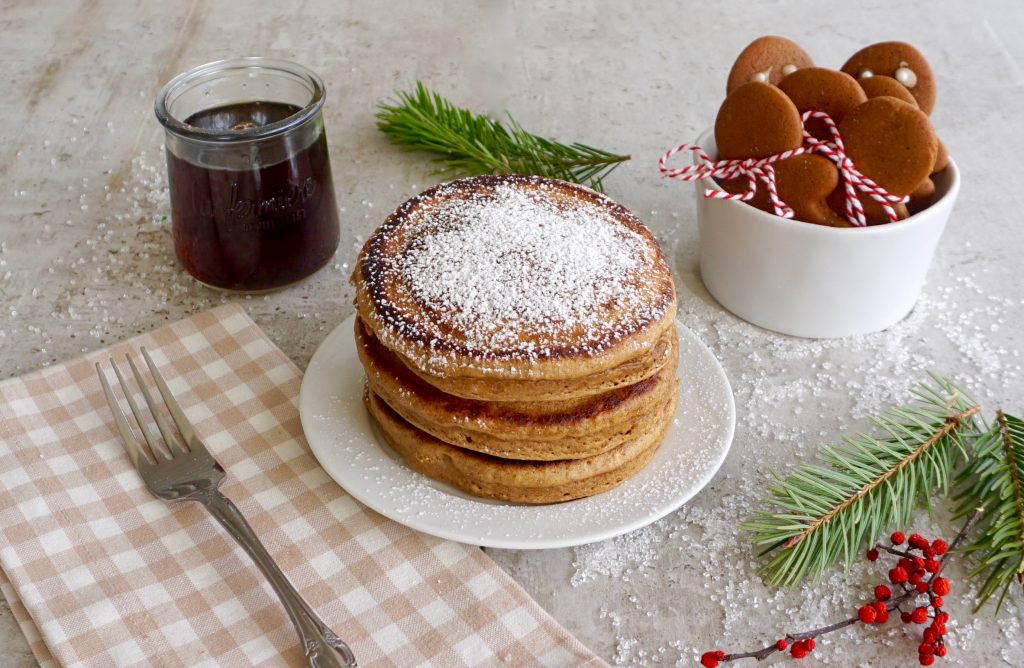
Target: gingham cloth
[101,573]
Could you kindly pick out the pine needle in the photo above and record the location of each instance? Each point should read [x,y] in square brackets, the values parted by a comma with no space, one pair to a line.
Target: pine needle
[995,482]
[468,144]
[832,509]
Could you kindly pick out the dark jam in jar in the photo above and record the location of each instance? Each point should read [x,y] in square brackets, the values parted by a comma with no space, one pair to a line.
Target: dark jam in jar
[255,228]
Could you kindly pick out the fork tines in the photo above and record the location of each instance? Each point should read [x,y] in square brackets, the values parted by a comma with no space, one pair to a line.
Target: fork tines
[140,454]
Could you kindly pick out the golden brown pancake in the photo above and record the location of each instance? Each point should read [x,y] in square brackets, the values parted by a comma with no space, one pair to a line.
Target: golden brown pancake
[537,430]
[647,363]
[514,277]
[519,482]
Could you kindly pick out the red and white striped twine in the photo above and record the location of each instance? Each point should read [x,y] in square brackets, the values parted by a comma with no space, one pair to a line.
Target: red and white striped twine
[761,169]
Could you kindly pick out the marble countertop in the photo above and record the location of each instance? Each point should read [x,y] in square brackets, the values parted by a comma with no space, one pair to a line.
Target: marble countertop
[86,259]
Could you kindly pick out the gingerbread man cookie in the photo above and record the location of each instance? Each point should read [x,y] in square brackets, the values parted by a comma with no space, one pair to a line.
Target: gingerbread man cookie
[880,85]
[805,183]
[941,158]
[900,61]
[767,60]
[892,143]
[820,89]
[757,120]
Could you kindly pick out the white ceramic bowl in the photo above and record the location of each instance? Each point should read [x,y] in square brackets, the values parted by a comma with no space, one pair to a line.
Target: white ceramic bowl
[815,281]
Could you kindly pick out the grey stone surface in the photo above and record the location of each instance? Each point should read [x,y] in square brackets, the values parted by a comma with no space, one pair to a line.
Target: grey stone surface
[86,260]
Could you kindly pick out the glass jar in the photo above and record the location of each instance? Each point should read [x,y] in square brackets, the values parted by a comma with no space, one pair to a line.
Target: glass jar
[252,200]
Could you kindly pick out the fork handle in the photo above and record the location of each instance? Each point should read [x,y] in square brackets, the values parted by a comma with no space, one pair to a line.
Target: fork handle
[322,647]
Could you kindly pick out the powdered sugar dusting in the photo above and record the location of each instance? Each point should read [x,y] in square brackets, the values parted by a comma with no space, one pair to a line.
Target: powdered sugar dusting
[517,259]
[515,272]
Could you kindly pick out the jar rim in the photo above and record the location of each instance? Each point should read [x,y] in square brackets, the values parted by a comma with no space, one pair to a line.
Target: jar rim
[190,77]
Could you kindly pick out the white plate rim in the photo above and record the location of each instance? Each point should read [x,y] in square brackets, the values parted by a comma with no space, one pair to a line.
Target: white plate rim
[321,414]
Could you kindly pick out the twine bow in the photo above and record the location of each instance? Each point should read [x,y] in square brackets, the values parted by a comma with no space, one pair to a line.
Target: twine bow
[762,169]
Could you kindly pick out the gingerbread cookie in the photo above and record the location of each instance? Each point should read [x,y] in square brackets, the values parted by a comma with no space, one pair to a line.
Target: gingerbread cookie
[941,158]
[893,144]
[767,60]
[804,183]
[820,89]
[922,196]
[900,61]
[880,85]
[757,120]
[874,214]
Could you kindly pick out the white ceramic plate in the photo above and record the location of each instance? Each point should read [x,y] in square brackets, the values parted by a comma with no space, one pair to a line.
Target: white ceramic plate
[342,436]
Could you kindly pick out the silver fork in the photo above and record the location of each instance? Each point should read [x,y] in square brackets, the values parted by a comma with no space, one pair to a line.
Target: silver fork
[183,470]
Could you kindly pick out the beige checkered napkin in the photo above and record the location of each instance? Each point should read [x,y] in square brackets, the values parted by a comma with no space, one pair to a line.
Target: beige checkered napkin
[100,573]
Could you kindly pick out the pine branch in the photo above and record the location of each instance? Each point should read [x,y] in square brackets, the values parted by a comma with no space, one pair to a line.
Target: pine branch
[827,511]
[468,144]
[995,480]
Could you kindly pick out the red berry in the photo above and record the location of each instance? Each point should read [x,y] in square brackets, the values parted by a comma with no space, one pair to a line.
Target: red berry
[926,659]
[872,554]
[939,546]
[937,601]
[898,575]
[922,587]
[928,552]
[940,650]
[709,659]
[883,593]
[940,586]
[879,607]
[917,541]
[932,566]
[914,578]
[940,629]
[809,644]
[905,617]
[781,644]
[918,563]
[867,614]
[883,617]
[919,615]
[942,617]
[926,648]
[897,538]
[799,650]
[929,635]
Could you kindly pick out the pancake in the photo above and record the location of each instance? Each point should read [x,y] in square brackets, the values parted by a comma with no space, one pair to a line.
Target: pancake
[518,482]
[536,430]
[515,278]
[647,363]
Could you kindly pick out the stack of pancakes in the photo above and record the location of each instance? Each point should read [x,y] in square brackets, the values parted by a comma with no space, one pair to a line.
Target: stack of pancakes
[518,338]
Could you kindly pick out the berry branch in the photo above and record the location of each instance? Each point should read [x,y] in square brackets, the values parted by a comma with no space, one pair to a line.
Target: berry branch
[915,574]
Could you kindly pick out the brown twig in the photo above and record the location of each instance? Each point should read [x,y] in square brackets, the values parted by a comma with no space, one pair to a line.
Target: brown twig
[892,550]
[893,604]
[951,424]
